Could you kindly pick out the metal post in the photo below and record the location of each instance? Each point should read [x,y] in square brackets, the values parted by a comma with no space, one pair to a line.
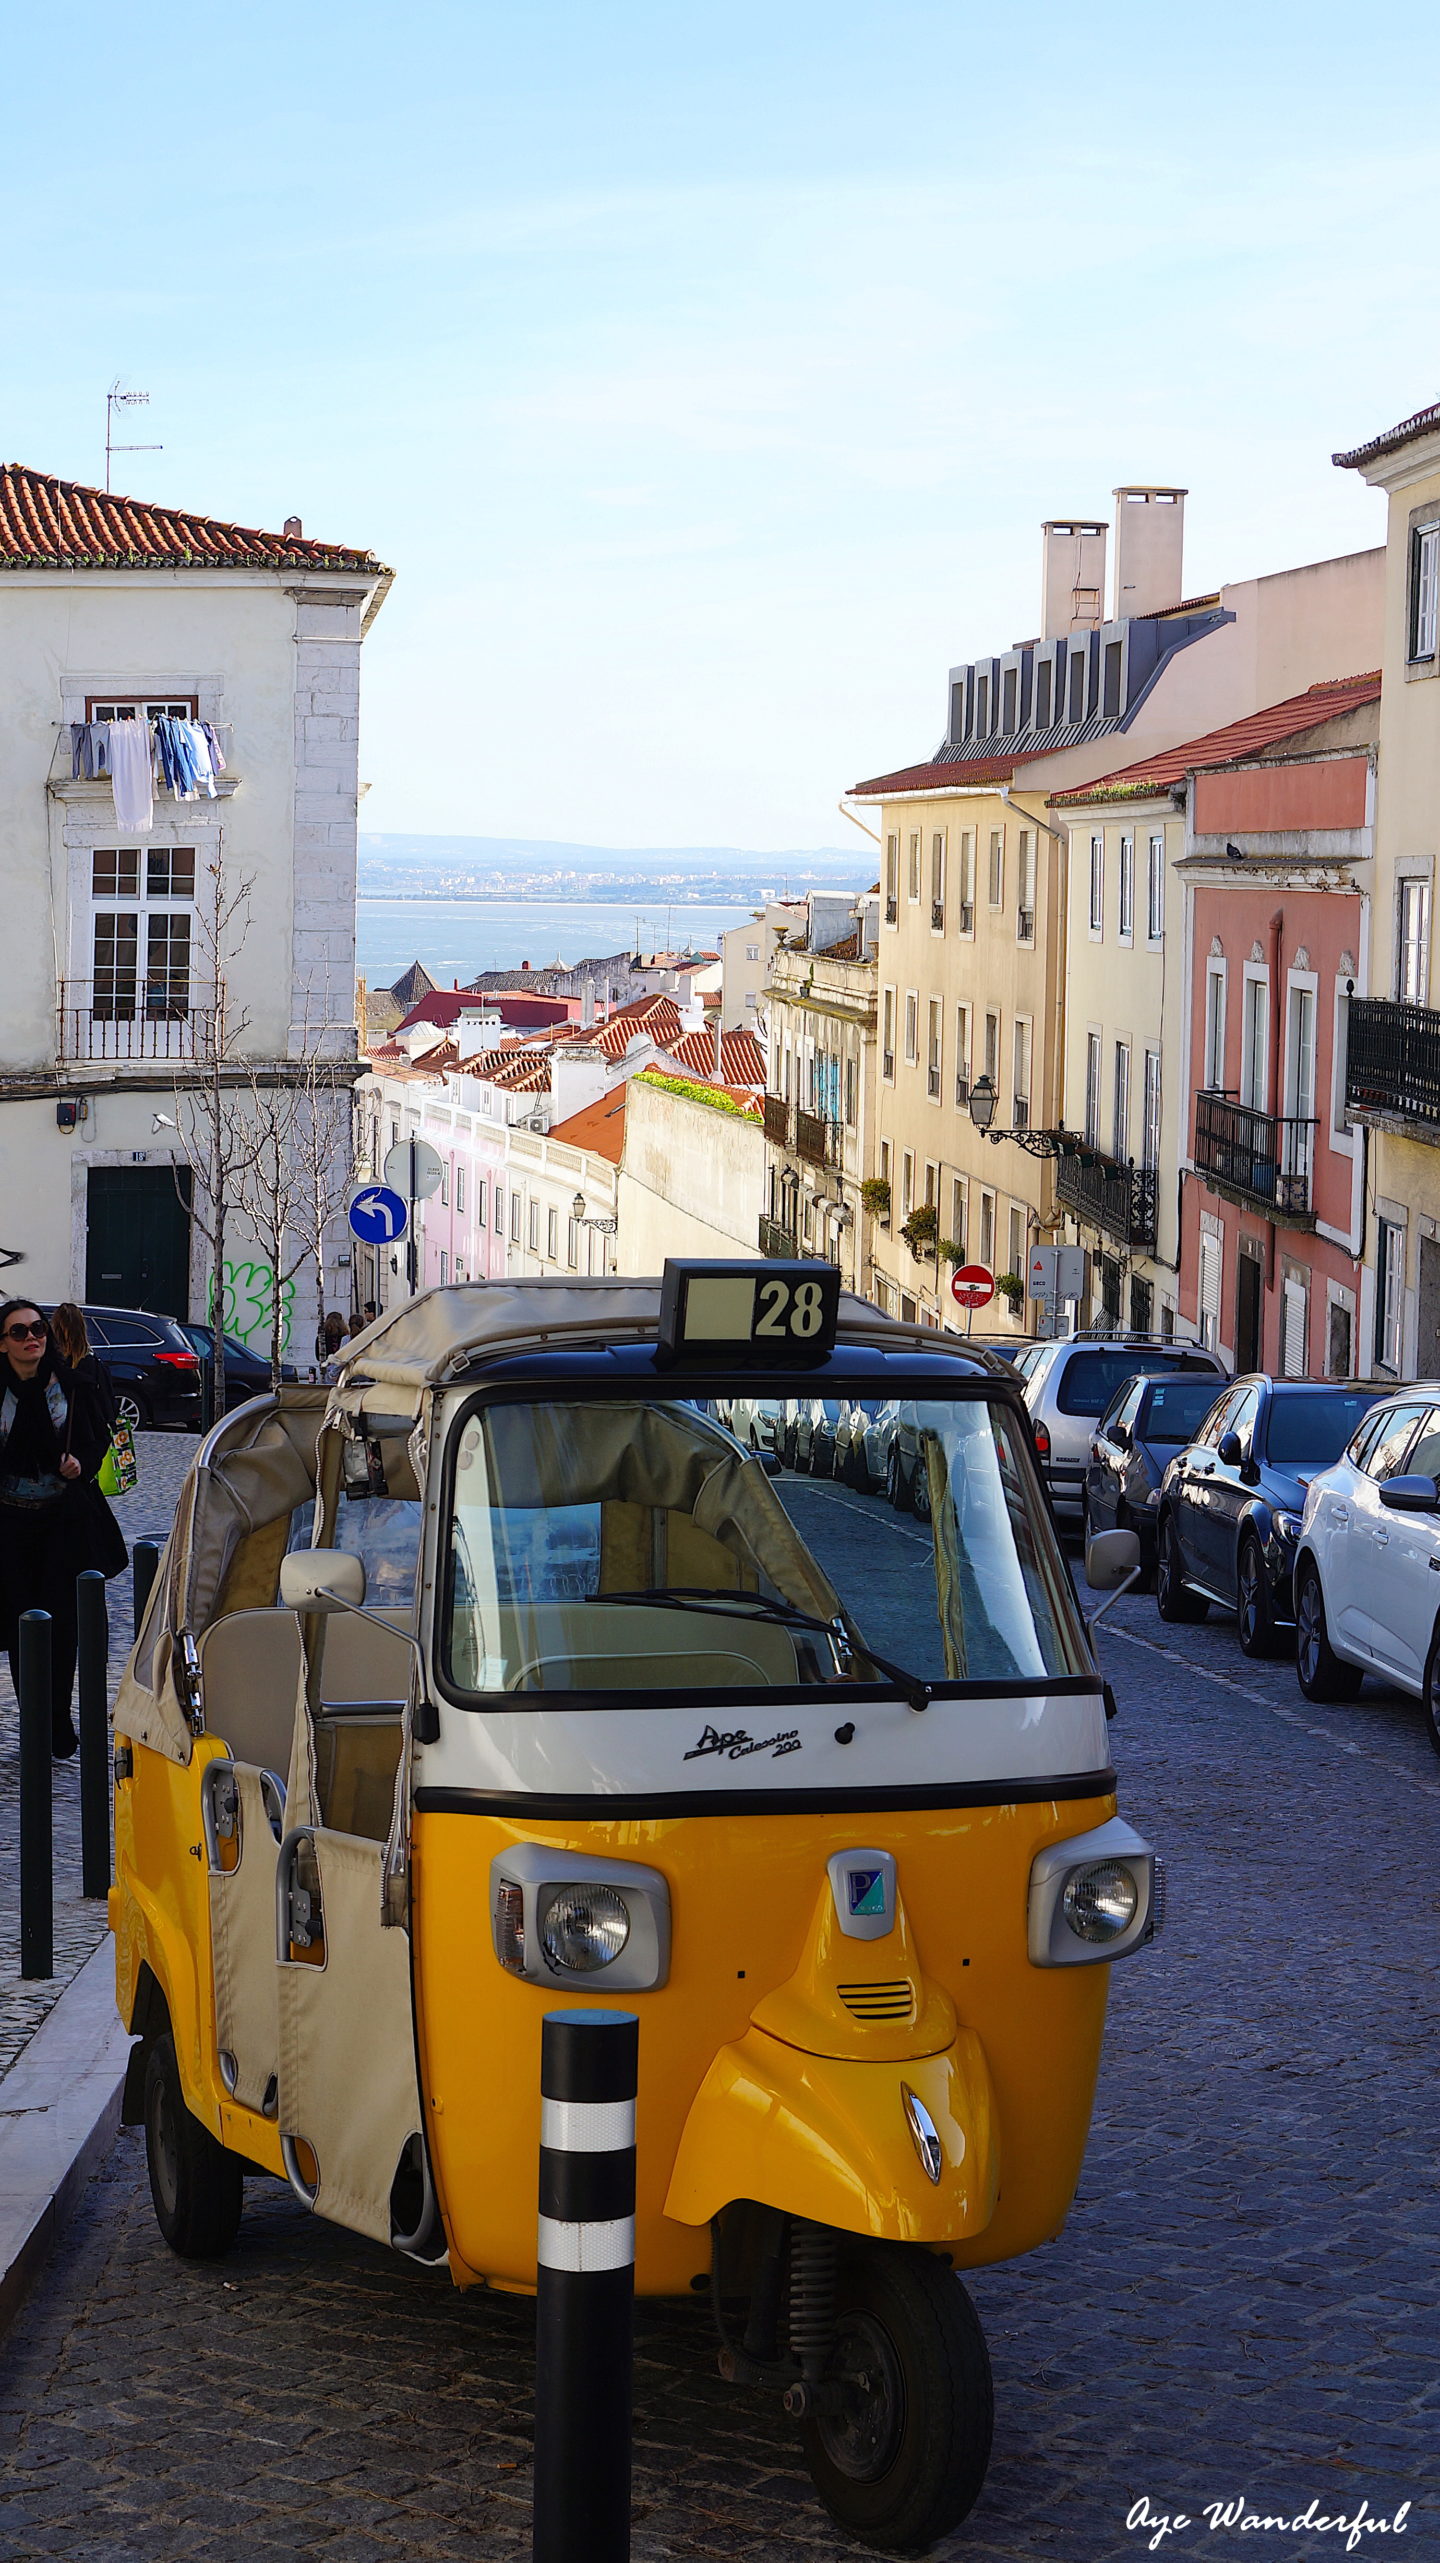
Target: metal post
[94,1651]
[412,1255]
[144,1565]
[37,1849]
[584,2301]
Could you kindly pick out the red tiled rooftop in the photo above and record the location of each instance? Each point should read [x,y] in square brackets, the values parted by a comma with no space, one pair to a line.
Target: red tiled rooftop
[742,1061]
[598,1126]
[939,777]
[444,1005]
[1424,423]
[1231,745]
[47,523]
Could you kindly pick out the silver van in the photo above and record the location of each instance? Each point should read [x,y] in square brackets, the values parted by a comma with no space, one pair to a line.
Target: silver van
[1070,1385]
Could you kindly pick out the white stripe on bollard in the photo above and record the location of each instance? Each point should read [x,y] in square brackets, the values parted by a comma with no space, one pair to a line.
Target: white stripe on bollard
[587,2247]
[587,2126]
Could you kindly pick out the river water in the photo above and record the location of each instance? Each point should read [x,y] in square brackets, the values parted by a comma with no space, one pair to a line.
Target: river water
[456,938]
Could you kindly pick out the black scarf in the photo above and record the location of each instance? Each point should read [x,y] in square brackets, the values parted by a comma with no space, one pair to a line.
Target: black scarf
[33,1447]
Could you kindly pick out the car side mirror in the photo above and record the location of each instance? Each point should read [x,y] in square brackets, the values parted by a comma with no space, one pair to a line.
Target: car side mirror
[1411,1494]
[1121,1436]
[321,1579]
[1110,1558]
[1230,1450]
[771,1462]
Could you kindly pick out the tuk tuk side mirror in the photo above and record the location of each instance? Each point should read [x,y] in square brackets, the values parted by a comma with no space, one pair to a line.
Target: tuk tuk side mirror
[322,1579]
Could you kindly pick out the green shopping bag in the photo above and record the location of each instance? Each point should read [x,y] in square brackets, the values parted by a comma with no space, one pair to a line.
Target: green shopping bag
[119,1469]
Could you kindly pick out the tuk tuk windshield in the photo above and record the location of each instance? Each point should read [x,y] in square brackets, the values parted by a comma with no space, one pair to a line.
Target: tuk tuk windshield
[638,1545]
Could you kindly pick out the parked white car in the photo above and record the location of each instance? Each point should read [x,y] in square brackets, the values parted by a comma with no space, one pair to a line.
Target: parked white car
[1367,1562]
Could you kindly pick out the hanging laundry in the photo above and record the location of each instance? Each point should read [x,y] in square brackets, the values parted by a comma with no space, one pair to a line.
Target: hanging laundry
[89,749]
[200,750]
[132,776]
[212,741]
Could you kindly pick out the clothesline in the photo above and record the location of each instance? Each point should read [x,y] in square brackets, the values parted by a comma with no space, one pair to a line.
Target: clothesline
[182,757]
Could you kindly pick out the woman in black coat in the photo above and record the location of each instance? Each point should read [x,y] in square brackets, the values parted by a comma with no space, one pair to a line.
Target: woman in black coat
[54,1521]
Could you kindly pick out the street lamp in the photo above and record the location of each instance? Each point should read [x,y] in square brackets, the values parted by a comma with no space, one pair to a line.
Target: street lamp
[983,1100]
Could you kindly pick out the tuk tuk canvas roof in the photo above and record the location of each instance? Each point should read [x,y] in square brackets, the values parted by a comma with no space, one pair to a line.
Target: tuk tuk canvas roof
[429,1340]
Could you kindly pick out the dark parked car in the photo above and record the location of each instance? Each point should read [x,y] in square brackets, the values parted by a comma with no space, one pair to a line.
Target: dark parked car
[246,1374]
[807,1435]
[1145,1423]
[1069,1385]
[1231,1501]
[153,1366]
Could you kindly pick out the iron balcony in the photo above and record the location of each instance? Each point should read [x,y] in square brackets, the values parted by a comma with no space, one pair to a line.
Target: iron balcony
[1392,1065]
[1117,1199]
[1264,1160]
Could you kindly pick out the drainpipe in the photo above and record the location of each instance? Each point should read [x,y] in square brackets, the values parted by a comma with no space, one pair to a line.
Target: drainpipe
[858,823]
[1277,930]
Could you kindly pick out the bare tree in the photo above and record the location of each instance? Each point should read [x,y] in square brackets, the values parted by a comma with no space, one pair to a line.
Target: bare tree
[216,1142]
[324,1140]
[292,1185]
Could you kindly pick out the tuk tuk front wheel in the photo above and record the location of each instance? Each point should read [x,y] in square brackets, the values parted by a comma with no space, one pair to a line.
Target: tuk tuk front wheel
[196,2187]
[900,2442]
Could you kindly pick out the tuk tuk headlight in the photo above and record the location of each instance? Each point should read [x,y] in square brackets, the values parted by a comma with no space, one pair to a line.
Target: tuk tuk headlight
[555,1915]
[585,1928]
[1096,1896]
[1099,1902]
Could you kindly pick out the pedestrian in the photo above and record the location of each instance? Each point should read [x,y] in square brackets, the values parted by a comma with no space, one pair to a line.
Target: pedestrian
[54,1521]
[72,1343]
[331,1335]
[369,1312]
[356,1327]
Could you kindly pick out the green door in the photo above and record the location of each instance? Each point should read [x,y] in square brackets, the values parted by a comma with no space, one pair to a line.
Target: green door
[137,1243]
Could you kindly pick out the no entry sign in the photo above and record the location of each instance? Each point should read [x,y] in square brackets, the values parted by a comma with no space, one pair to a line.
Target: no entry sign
[972,1286]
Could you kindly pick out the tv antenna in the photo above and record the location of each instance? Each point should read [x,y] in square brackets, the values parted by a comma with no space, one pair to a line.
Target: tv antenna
[116,399]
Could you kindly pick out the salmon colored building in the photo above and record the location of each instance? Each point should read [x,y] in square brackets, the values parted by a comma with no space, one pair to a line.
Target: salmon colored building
[1276,870]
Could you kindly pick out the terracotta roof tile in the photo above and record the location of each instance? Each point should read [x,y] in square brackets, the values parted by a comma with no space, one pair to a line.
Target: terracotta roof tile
[1239,739]
[939,777]
[1424,423]
[742,1061]
[47,523]
[598,1126]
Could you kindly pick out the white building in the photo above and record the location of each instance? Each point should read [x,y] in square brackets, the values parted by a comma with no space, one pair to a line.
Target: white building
[113,998]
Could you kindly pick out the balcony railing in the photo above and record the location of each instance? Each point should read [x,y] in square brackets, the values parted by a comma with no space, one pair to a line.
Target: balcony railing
[937,915]
[1392,1068]
[127,1016]
[775,1240]
[777,1120]
[1265,1159]
[1118,1200]
[819,1143]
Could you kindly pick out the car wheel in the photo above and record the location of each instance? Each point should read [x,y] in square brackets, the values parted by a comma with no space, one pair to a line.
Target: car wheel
[131,1409]
[920,1490]
[1173,1599]
[1322,1674]
[1430,1698]
[1254,1602]
[895,1483]
[196,2187]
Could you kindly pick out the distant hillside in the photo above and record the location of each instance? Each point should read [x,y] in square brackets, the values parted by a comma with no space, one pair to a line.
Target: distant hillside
[502,867]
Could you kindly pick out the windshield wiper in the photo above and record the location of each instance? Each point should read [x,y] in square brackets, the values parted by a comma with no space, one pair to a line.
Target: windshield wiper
[714,1603]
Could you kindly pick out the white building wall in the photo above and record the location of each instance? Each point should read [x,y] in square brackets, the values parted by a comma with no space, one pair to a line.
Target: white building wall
[692,1180]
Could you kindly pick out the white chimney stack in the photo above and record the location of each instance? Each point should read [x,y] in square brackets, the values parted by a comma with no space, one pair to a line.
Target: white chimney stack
[1073,593]
[1149,549]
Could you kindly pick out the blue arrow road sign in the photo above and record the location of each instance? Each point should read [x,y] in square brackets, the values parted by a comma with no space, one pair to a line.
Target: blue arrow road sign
[377,1216]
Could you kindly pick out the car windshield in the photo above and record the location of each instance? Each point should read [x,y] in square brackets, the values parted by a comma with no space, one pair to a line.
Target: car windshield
[1176,1408]
[1309,1427]
[1088,1381]
[627,1546]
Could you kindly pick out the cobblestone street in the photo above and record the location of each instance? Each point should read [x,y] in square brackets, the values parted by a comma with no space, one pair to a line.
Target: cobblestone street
[1245,2302]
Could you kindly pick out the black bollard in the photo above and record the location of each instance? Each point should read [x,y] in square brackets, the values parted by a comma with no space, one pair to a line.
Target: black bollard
[93,1659]
[144,1564]
[37,1849]
[585,2296]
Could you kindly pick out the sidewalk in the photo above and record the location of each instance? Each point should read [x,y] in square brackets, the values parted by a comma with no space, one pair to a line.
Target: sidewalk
[60,2060]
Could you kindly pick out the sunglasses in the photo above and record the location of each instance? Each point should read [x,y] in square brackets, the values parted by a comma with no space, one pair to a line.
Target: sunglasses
[18,1334]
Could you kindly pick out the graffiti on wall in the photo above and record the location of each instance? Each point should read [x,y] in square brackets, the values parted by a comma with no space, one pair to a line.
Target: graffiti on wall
[249,1301]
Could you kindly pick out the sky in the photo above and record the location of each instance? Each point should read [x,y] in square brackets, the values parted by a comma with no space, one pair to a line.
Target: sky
[705,373]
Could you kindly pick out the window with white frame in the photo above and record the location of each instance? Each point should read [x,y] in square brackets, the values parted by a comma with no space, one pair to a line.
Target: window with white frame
[1022,1074]
[885,1161]
[907,1183]
[1025,887]
[1127,889]
[1211,1252]
[1155,887]
[914,873]
[1412,962]
[1120,1114]
[962,1056]
[1340,1121]
[1255,1040]
[937,878]
[967,881]
[459,1187]
[987,1230]
[1150,1132]
[997,867]
[892,878]
[572,1243]
[142,932]
[141,707]
[1389,1293]
[887,1032]
[1300,1053]
[1425,591]
[444,1183]
[1092,1089]
[444,1267]
[752,951]
[552,1235]
[1097,884]
[932,1182]
[933,1040]
[959,1211]
[515,1209]
[1017,1242]
[912,1025]
[1215,1024]
[1295,1324]
[499,1210]
[534,1228]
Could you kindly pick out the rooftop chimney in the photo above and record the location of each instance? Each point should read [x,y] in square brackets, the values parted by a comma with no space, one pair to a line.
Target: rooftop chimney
[1149,549]
[293,529]
[1073,596]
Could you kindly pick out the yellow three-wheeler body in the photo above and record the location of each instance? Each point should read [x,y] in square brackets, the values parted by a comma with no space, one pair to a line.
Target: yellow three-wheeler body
[517,1672]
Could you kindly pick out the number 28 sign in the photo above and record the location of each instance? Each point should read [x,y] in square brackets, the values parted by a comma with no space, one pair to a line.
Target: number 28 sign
[779,1314]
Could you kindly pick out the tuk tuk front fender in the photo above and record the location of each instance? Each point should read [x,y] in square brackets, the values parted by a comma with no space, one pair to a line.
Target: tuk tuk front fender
[830,2139]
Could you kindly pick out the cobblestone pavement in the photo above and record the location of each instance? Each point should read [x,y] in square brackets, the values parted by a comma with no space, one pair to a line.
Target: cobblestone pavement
[79,1924]
[1244,2303]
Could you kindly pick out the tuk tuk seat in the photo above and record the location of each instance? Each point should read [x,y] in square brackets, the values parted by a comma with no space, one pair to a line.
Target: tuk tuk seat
[249,1675]
[582,1646]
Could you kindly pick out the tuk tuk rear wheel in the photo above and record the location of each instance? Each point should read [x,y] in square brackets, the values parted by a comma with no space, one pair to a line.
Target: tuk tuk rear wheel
[899,2455]
[196,2187]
